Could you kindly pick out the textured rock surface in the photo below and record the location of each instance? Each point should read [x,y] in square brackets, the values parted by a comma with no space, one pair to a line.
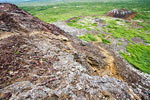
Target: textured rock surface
[46,64]
[124,13]
[137,79]
[14,19]
[70,30]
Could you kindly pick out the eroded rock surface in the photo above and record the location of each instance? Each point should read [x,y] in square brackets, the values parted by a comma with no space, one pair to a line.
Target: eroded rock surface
[45,63]
[124,13]
[14,19]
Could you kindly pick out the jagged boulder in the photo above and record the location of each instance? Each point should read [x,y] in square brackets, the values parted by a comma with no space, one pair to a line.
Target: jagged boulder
[124,13]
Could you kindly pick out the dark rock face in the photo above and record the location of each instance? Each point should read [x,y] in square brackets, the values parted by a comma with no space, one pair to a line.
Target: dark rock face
[50,65]
[13,19]
[124,13]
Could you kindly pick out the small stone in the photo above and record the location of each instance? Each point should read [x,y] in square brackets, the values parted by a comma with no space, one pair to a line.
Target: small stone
[58,73]
[11,72]
[73,69]
[5,96]
[78,87]
[65,39]
[83,44]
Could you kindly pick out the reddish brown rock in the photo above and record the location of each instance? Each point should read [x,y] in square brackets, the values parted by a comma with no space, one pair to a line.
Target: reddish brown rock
[14,19]
[124,13]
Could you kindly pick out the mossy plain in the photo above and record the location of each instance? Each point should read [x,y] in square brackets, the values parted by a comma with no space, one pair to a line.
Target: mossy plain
[64,11]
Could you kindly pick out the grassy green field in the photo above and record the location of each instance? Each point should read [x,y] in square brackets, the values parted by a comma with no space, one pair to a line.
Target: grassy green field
[64,11]
[137,55]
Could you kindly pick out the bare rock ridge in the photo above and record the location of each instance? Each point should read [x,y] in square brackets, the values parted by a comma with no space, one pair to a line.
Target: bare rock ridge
[13,19]
[39,61]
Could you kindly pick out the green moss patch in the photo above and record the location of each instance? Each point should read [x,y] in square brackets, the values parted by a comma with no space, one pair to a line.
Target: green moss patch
[91,37]
[126,31]
[139,56]
[88,37]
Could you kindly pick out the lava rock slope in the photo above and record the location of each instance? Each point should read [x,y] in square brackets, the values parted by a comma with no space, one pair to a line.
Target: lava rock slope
[39,61]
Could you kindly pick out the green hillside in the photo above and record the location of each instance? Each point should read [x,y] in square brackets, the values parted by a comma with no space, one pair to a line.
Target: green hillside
[64,11]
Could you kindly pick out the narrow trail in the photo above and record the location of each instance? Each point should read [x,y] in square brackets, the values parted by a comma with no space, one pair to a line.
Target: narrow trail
[110,69]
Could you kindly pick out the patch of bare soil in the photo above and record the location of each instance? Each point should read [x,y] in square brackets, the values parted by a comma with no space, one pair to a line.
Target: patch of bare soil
[110,69]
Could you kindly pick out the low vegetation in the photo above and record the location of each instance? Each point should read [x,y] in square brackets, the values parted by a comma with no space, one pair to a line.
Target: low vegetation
[91,37]
[139,56]
[88,37]
[83,23]
[121,31]
[105,41]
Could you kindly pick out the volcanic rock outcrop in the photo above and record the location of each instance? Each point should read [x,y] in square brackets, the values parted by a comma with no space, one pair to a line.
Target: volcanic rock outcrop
[124,13]
[13,19]
[39,61]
